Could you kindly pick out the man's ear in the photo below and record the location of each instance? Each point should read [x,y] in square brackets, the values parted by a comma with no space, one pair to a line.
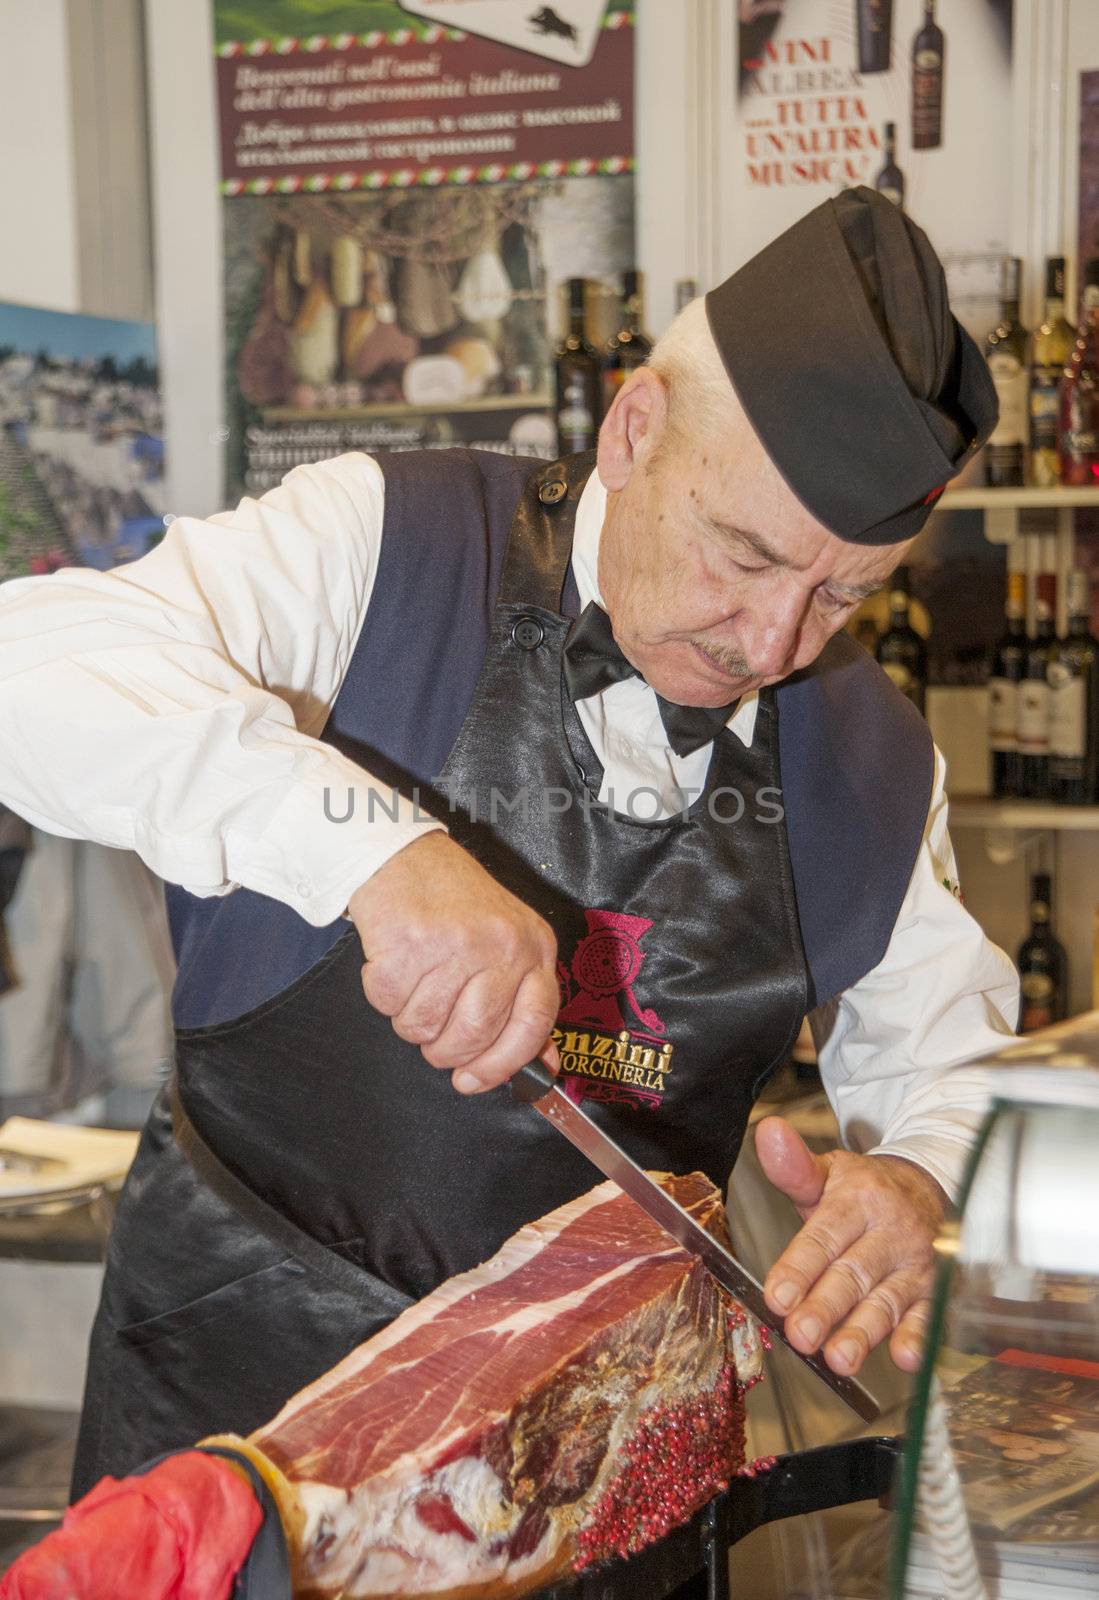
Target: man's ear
[632,427]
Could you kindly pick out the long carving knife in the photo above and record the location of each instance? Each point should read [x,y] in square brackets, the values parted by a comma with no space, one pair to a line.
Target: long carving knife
[536,1086]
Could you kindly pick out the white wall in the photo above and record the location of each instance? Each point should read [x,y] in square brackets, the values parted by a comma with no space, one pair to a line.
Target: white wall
[38,250]
[187,247]
[666,152]
[111,157]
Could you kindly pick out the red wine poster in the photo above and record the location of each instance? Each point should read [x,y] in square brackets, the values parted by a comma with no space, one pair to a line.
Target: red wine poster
[1088,247]
[912,97]
[407,184]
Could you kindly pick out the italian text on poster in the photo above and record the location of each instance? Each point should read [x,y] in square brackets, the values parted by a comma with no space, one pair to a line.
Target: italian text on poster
[404,194]
[415,101]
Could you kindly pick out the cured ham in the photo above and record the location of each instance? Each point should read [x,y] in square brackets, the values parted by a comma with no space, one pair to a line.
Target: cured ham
[568,1401]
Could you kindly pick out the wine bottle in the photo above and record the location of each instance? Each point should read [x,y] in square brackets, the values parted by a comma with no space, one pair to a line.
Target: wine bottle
[874,22]
[890,180]
[1032,722]
[901,651]
[1003,691]
[630,347]
[1042,964]
[578,381]
[1080,392]
[865,631]
[1073,677]
[686,290]
[1006,353]
[928,65]
[1051,347]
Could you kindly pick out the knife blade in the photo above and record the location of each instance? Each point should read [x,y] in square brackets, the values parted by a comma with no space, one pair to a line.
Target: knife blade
[536,1086]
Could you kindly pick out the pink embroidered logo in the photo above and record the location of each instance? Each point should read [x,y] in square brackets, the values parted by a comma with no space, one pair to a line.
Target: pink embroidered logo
[611,1047]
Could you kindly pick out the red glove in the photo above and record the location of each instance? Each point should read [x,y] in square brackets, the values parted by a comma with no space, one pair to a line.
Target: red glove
[180,1532]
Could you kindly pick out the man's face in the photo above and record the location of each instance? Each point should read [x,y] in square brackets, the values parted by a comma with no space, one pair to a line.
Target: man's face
[716,578]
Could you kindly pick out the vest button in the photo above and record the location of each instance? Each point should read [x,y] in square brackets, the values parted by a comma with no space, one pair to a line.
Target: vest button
[528,633]
[552,492]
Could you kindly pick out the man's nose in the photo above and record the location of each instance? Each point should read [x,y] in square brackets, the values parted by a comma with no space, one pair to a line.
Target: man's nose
[769,633]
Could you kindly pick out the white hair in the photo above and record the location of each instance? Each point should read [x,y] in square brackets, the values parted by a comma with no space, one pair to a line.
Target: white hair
[701,398]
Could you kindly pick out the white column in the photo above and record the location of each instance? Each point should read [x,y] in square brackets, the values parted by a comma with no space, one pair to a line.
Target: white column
[38,261]
[187,249]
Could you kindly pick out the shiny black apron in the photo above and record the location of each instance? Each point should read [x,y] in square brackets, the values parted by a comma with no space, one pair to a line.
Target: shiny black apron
[311,1175]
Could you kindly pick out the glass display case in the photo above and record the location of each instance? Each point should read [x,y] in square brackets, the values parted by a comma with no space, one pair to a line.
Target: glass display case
[998,1494]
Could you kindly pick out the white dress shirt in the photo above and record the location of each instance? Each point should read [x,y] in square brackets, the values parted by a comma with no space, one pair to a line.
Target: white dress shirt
[174,706]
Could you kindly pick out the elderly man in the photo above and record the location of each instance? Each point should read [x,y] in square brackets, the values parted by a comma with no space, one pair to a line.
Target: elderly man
[582,753]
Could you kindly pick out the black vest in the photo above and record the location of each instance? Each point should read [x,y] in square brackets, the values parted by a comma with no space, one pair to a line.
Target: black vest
[682,949]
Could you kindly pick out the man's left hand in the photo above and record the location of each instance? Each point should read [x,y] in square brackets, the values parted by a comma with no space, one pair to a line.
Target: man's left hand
[861,1268]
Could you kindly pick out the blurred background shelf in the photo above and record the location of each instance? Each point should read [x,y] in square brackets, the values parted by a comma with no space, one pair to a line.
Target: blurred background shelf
[1017,499]
[1003,508]
[978,812]
[398,409]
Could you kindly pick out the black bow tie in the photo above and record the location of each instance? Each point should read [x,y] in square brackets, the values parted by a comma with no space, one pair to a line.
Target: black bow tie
[592,662]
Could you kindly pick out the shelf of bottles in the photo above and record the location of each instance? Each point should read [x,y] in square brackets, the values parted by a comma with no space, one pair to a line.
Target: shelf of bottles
[1044,453]
[586,380]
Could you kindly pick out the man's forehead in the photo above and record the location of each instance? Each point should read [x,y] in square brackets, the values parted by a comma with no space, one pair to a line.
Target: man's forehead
[858,564]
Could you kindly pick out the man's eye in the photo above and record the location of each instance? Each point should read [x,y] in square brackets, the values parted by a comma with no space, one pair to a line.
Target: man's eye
[836,602]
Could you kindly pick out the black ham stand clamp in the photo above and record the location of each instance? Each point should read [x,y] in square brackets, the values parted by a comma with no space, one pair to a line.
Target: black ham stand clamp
[694,1560]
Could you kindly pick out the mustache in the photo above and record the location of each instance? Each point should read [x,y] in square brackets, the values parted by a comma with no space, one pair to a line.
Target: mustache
[725,658]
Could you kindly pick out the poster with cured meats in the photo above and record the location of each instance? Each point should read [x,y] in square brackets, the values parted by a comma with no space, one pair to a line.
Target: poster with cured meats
[406,186]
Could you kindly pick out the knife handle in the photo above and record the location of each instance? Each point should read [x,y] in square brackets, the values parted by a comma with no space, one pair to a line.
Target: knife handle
[531,1082]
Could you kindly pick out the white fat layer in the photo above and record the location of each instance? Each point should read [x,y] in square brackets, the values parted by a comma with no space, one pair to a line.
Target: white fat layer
[746,1349]
[408,1467]
[370,1543]
[532,1316]
[513,1255]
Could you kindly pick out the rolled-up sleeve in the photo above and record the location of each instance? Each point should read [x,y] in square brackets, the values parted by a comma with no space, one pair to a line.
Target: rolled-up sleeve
[890,1047]
[174,706]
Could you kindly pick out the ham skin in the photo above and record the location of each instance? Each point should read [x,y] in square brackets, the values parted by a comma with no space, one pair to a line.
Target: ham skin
[565,1403]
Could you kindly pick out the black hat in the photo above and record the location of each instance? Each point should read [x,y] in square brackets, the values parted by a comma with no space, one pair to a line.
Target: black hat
[867,394]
